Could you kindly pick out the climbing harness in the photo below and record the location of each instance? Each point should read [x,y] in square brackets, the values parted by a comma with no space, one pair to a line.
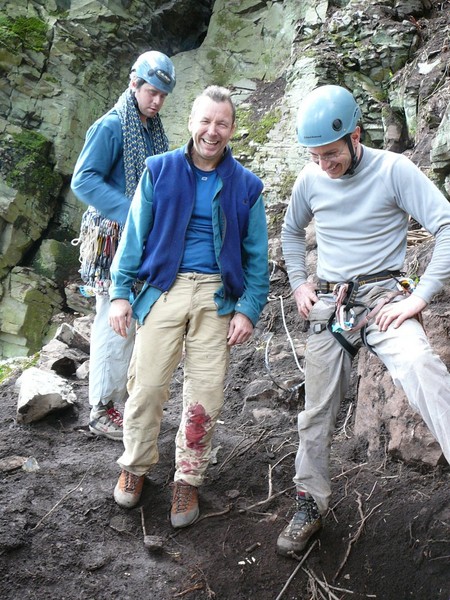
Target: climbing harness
[326,287]
[407,284]
[344,319]
[98,242]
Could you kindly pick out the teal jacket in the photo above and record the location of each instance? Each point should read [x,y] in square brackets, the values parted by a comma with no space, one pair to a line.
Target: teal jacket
[140,223]
[99,175]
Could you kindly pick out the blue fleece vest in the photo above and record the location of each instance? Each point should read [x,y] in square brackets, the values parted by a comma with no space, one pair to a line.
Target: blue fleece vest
[173,200]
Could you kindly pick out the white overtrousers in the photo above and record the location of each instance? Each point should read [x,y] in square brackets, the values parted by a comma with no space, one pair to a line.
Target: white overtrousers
[110,356]
[413,365]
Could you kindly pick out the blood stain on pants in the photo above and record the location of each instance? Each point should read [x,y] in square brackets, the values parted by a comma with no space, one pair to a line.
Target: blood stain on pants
[197,425]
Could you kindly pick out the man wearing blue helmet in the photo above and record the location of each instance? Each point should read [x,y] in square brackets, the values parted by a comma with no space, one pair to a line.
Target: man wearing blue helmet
[361,199]
[105,177]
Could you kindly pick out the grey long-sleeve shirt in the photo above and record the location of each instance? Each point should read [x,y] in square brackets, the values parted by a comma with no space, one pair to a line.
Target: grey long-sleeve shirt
[361,221]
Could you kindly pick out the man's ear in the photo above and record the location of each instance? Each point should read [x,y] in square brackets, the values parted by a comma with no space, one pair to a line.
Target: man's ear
[356,134]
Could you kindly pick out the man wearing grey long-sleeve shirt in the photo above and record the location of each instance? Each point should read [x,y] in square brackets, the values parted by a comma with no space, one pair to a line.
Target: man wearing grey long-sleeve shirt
[361,200]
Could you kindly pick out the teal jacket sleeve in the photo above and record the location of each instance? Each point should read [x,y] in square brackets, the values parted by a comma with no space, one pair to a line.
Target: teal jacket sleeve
[255,254]
[128,258]
[99,174]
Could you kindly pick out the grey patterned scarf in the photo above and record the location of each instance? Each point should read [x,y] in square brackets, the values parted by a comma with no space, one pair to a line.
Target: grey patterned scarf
[134,148]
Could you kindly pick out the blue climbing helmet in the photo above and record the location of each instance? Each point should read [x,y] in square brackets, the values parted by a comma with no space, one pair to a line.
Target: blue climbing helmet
[156,69]
[326,115]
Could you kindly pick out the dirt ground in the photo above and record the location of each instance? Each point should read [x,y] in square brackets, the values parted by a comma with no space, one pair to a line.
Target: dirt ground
[62,537]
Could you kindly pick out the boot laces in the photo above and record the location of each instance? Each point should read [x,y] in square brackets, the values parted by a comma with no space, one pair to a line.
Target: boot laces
[115,416]
[182,497]
[131,480]
[306,513]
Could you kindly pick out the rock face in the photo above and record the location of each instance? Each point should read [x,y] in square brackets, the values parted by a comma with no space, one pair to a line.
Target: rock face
[392,55]
[64,63]
[386,421]
[28,304]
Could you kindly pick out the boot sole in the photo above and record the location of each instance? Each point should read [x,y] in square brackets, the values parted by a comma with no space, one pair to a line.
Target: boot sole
[106,435]
[180,524]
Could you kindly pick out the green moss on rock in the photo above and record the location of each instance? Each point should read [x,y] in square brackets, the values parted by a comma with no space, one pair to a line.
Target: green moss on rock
[28,168]
[16,365]
[252,130]
[28,33]
[286,185]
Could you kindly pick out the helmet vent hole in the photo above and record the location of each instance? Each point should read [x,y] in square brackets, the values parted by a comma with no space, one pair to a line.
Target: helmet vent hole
[337,125]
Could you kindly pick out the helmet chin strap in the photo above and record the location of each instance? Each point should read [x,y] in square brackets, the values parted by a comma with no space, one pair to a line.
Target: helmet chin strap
[354,157]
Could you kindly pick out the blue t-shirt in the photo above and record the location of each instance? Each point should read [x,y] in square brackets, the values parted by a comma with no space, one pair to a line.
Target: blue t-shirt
[199,255]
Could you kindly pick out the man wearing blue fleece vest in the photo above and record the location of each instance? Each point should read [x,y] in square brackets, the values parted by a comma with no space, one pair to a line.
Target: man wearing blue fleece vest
[196,235]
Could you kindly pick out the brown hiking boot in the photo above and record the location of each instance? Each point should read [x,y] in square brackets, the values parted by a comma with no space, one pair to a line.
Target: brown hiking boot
[303,525]
[184,504]
[127,492]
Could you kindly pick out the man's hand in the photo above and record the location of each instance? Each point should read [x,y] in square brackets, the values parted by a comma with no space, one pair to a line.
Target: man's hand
[120,316]
[305,297]
[240,329]
[397,312]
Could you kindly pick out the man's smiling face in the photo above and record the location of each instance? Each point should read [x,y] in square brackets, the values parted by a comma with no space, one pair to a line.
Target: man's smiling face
[335,158]
[211,127]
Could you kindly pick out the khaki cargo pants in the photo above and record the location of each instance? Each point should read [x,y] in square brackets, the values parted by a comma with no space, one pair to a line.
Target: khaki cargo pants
[184,318]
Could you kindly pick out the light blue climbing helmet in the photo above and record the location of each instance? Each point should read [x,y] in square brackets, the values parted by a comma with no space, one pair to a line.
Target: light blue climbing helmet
[156,69]
[326,115]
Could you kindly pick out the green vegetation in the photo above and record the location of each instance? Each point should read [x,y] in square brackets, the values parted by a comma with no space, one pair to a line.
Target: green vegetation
[5,371]
[30,170]
[212,54]
[256,129]
[286,185]
[9,367]
[59,14]
[228,25]
[229,22]
[30,33]
[31,141]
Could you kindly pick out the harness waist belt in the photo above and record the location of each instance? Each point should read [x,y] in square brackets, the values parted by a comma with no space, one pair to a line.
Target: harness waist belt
[326,287]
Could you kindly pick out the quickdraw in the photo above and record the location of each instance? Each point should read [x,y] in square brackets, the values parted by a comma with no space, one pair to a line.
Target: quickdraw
[98,242]
[407,284]
[344,316]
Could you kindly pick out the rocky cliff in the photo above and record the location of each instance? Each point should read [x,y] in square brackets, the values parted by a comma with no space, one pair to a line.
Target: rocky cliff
[63,63]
